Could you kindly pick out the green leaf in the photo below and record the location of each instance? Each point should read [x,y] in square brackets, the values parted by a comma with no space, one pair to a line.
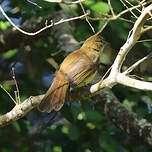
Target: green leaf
[65,130]
[10,53]
[100,7]
[17,126]
[81,116]
[147,44]
[89,3]
[90,125]
[107,143]
[7,87]
[74,133]
[75,112]
[4,25]
[57,149]
[93,116]
[101,23]
[129,104]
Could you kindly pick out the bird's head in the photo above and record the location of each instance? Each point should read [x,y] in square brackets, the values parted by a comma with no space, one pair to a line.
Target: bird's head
[94,42]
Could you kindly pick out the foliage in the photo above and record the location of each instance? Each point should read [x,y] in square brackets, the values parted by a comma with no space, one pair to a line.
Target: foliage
[86,130]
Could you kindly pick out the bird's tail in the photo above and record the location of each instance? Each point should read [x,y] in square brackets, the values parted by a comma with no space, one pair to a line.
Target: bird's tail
[55,96]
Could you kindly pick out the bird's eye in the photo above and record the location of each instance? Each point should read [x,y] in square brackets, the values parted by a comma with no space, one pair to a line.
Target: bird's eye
[96,49]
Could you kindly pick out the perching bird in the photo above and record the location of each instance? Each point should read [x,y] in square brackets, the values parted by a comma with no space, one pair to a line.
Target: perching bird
[76,70]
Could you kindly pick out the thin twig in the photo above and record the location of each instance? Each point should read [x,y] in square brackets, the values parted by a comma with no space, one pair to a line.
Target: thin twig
[75,2]
[65,2]
[127,8]
[42,29]
[146,29]
[33,3]
[141,41]
[135,76]
[131,68]
[103,27]
[105,75]
[87,20]
[17,93]
[111,8]
[132,5]
[8,94]
[126,20]
[54,1]
[118,16]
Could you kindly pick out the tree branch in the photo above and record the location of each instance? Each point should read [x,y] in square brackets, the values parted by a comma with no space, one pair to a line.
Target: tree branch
[105,102]
[115,75]
[131,68]
[123,118]
[42,29]
[130,82]
[62,1]
[18,38]
[20,110]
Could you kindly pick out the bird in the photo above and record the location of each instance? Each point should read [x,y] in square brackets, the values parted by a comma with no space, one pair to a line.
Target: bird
[77,70]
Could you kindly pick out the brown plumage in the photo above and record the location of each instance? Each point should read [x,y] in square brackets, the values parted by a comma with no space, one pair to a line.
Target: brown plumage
[77,69]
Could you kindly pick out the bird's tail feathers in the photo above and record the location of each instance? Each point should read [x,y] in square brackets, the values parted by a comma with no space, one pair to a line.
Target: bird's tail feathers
[55,96]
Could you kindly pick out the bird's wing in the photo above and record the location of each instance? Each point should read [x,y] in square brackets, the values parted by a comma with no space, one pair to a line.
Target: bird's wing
[79,66]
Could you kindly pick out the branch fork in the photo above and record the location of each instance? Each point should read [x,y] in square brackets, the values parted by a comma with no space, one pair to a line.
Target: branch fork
[115,76]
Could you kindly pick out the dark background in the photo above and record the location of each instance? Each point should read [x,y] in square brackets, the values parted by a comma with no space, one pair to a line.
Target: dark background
[83,129]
